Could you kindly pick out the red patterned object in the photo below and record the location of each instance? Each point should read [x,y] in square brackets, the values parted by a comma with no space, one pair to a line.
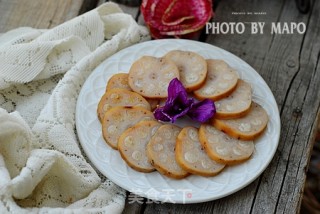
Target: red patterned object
[176,18]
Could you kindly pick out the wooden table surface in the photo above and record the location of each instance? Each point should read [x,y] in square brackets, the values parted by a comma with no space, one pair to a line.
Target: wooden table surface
[288,63]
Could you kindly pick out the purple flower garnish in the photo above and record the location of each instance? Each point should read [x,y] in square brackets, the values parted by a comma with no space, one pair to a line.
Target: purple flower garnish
[202,111]
[178,104]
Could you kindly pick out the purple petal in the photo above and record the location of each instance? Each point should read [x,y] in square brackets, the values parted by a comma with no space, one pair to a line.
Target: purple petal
[177,103]
[159,114]
[202,111]
[169,116]
[175,89]
[180,114]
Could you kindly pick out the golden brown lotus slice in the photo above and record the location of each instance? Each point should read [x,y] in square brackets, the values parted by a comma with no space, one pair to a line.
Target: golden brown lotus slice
[220,82]
[118,119]
[191,156]
[132,145]
[192,68]
[154,103]
[161,152]
[236,104]
[150,76]
[223,148]
[248,127]
[119,80]
[120,97]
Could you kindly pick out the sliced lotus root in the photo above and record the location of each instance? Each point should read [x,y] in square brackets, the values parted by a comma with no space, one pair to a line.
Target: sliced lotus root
[150,76]
[220,82]
[191,156]
[161,152]
[248,127]
[120,97]
[223,148]
[154,103]
[118,119]
[236,104]
[119,80]
[192,68]
[132,145]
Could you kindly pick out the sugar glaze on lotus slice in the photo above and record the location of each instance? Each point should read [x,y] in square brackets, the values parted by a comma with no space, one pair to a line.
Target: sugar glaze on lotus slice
[223,148]
[191,155]
[161,152]
[132,145]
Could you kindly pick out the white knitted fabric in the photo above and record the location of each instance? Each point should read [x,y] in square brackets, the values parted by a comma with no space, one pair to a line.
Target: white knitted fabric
[42,167]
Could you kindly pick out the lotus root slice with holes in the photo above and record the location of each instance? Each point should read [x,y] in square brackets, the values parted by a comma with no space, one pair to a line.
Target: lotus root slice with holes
[191,155]
[192,68]
[161,152]
[236,104]
[223,148]
[150,76]
[120,97]
[118,119]
[132,145]
[220,82]
[249,127]
[119,80]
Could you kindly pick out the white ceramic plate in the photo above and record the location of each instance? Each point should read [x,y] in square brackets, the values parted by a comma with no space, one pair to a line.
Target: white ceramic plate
[193,189]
